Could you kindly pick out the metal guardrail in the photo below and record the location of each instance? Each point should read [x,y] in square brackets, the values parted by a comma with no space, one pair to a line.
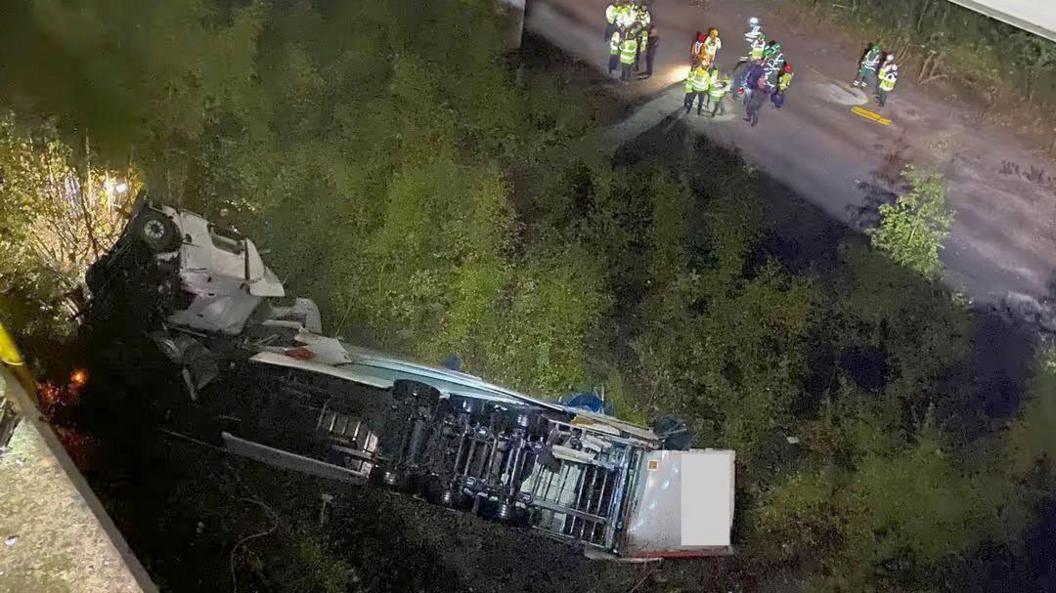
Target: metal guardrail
[13,391]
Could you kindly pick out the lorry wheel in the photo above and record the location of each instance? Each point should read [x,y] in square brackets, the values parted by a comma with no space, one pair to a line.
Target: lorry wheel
[436,491]
[157,231]
[500,511]
[392,479]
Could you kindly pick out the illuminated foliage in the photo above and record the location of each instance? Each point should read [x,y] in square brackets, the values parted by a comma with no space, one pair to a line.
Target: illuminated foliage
[913,229]
[56,217]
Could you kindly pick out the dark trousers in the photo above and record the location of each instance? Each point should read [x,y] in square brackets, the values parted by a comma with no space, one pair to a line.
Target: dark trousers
[695,96]
[717,105]
[881,96]
[740,80]
[625,75]
[614,62]
[753,116]
[752,113]
[864,74]
[610,28]
[650,57]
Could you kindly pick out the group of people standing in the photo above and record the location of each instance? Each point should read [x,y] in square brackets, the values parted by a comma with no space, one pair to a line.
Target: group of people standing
[761,74]
[705,84]
[885,79]
[632,38]
[708,88]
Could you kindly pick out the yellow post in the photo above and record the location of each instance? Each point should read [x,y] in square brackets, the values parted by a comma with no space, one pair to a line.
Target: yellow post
[12,358]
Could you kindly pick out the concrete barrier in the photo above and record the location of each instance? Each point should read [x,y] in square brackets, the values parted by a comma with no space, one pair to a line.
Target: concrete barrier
[55,535]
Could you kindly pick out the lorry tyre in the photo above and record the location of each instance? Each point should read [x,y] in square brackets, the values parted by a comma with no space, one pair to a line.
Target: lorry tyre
[157,231]
[438,492]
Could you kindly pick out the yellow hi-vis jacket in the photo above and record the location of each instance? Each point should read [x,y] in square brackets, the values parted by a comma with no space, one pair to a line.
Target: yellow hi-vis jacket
[758,46]
[614,44]
[888,80]
[712,46]
[642,17]
[610,14]
[700,79]
[11,357]
[784,81]
[718,87]
[628,51]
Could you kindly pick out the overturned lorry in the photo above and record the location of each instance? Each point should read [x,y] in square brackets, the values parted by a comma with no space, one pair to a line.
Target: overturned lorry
[300,400]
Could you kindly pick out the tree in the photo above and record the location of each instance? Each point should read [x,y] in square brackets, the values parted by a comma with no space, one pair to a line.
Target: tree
[1035,55]
[57,216]
[142,74]
[912,230]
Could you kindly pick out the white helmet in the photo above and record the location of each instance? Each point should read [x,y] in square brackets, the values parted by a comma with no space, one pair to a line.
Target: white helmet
[753,22]
[890,58]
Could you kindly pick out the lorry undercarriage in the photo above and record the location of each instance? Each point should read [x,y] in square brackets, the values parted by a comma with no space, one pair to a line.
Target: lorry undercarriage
[518,464]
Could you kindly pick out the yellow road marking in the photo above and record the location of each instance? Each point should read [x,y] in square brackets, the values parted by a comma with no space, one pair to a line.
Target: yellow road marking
[871,116]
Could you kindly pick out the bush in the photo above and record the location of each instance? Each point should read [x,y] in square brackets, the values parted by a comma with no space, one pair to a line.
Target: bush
[58,214]
[912,230]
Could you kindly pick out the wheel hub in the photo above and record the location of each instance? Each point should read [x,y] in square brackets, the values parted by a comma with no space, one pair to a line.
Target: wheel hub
[153,229]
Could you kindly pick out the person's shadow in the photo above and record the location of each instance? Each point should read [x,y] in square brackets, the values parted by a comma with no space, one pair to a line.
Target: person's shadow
[884,185]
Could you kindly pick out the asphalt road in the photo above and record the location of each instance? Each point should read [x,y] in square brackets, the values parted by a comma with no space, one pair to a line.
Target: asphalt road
[1003,243]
